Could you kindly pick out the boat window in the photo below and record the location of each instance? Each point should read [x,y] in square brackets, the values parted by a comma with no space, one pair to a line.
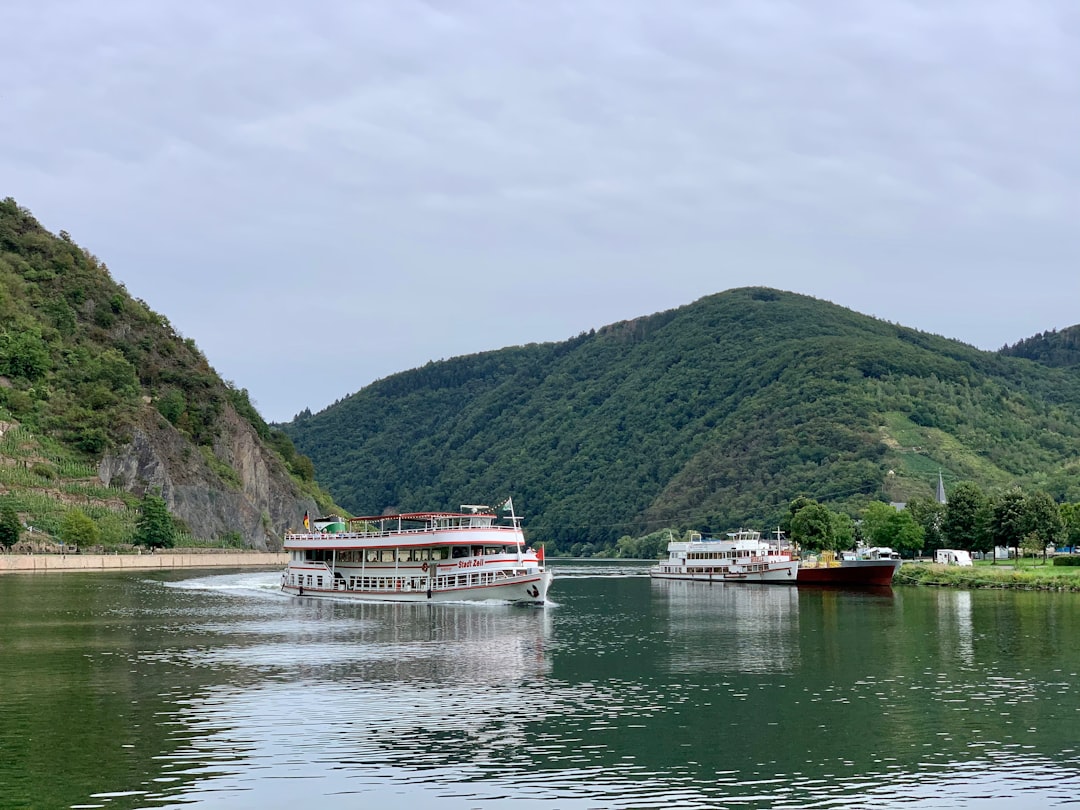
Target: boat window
[438,553]
[492,550]
[387,555]
[459,551]
[422,554]
[477,551]
[405,555]
[372,555]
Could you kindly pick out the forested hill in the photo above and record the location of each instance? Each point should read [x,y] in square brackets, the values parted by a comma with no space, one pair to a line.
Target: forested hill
[102,401]
[713,415]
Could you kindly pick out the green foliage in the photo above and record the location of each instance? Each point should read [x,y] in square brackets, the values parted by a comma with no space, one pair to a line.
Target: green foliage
[1070,519]
[43,470]
[928,514]
[10,525]
[78,529]
[1026,520]
[172,406]
[155,527]
[648,547]
[843,528]
[876,518]
[233,540]
[966,522]
[1044,519]
[1053,348]
[1070,561]
[902,533]
[23,354]
[1032,544]
[812,528]
[979,576]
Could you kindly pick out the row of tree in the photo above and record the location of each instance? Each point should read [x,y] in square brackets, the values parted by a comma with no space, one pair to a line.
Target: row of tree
[971,520]
[154,528]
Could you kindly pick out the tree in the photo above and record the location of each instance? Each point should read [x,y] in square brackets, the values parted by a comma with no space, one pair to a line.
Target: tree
[1044,519]
[966,521]
[1033,545]
[154,528]
[875,521]
[928,513]
[812,527]
[1070,518]
[884,525]
[843,528]
[10,526]
[903,533]
[1009,523]
[793,509]
[79,529]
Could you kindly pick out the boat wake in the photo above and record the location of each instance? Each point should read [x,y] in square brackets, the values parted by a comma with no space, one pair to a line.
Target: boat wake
[263,583]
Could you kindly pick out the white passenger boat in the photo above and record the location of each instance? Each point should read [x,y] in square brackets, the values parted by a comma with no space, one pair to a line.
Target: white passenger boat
[741,556]
[476,554]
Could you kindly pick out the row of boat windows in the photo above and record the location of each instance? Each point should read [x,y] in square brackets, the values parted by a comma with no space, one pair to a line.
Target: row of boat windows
[404,555]
[469,580]
[688,569]
[720,555]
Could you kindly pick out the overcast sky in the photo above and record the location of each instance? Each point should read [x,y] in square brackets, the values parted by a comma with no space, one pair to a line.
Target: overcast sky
[325,193]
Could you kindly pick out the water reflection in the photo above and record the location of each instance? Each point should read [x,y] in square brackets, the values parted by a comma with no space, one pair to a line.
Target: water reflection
[216,692]
[730,628]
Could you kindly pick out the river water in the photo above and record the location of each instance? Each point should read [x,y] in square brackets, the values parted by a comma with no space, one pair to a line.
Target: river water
[213,690]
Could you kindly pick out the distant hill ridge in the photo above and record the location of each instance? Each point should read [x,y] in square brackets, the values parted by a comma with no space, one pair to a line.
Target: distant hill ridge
[1053,348]
[711,415]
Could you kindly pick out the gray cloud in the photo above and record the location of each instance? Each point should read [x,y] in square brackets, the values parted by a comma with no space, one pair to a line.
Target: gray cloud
[339,191]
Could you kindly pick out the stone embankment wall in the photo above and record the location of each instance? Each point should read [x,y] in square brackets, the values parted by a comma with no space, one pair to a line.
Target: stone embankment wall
[138,562]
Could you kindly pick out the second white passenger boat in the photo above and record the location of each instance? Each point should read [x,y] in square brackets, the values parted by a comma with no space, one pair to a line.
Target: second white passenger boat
[477,554]
[741,556]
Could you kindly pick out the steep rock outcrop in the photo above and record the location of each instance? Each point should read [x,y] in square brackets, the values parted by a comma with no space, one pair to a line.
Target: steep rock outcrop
[257,498]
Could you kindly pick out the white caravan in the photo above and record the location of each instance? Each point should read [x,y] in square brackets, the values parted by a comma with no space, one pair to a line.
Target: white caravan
[952,556]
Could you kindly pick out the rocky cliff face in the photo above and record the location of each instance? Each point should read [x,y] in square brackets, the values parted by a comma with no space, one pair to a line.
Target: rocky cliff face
[241,487]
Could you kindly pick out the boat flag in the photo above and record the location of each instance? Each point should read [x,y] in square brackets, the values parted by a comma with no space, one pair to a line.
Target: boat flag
[507,505]
[540,554]
[307,523]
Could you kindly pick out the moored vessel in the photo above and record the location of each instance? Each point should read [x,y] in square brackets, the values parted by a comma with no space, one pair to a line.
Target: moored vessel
[740,556]
[477,554]
[870,566]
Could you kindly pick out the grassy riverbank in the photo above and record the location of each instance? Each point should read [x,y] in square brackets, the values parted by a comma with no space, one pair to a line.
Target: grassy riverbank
[1026,578]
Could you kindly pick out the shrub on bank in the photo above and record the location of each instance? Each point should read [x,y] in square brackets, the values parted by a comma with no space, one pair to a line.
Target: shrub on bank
[1069,560]
[951,576]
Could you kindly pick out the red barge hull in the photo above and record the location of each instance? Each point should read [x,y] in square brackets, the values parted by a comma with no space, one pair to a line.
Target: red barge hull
[850,572]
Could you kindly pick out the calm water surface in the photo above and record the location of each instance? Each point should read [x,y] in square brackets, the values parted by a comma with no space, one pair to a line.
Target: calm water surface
[210,690]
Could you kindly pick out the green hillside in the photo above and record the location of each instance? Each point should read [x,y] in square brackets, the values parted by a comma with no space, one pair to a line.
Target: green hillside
[710,416]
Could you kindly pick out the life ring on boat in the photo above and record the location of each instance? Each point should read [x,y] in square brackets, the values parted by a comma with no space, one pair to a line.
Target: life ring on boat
[424,567]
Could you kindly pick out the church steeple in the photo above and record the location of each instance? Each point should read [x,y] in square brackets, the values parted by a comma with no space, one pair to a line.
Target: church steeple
[940,488]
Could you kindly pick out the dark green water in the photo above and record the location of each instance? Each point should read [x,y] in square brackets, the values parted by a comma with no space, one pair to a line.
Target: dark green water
[210,690]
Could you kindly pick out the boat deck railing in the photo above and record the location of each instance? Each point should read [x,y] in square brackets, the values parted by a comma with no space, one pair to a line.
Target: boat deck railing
[374,535]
